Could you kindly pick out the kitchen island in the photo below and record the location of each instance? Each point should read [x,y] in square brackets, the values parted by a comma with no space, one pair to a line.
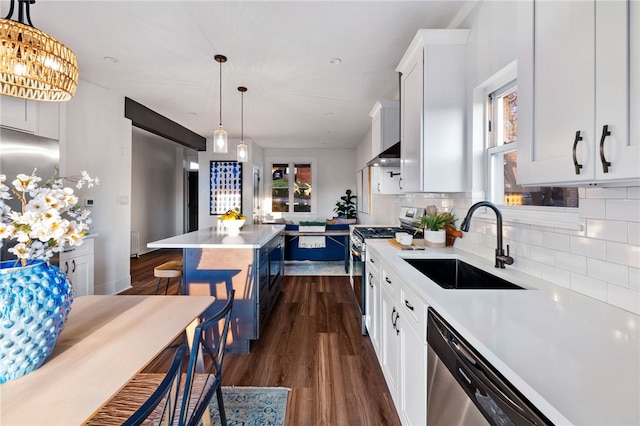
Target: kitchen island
[251,263]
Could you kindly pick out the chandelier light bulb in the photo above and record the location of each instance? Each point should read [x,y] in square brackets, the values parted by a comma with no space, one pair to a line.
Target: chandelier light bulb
[242,152]
[220,141]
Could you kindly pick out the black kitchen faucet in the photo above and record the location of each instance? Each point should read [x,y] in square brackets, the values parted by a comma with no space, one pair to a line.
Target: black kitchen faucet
[501,258]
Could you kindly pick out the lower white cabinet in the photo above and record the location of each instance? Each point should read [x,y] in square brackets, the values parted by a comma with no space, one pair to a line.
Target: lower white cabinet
[77,262]
[372,302]
[403,346]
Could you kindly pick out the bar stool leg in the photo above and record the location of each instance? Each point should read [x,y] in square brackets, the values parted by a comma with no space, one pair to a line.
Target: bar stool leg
[158,285]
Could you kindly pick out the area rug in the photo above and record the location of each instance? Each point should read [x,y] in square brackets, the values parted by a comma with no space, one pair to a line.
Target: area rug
[314,267]
[251,406]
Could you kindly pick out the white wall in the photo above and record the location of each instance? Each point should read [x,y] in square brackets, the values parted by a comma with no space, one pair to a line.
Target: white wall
[602,259]
[157,188]
[334,174]
[96,137]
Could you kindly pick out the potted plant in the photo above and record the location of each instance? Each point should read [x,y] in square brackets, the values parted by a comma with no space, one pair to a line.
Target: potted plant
[35,293]
[346,207]
[435,225]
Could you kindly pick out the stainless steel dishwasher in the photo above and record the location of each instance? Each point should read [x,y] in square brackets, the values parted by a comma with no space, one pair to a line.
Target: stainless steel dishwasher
[464,389]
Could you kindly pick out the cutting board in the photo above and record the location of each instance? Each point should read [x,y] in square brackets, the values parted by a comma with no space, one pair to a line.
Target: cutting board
[404,247]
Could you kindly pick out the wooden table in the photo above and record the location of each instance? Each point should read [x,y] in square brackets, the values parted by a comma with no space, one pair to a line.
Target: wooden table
[106,341]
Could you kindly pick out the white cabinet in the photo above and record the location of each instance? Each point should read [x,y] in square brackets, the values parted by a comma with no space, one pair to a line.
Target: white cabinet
[77,262]
[372,303]
[38,118]
[432,122]
[364,190]
[389,342]
[576,96]
[385,126]
[385,180]
[403,346]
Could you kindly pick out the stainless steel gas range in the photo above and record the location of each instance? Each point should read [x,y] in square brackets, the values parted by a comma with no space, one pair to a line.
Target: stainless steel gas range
[409,220]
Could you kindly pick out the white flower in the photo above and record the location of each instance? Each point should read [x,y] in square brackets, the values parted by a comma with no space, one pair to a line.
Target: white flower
[48,220]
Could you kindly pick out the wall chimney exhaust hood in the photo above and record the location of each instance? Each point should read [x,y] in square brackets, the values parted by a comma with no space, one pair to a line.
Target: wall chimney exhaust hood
[390,157]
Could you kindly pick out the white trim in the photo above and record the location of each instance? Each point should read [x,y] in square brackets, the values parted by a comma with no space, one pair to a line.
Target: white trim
[291,161]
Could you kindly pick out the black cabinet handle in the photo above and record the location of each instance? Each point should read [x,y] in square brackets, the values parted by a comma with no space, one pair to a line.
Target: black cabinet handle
[378,186]
[605,164]
[371,260]
[408,305]
[66,267]
[575,159]
[387,280]
[73,262]
[393,313]
[395,324]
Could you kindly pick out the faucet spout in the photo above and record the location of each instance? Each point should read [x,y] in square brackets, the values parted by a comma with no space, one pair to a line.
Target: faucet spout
[501,257]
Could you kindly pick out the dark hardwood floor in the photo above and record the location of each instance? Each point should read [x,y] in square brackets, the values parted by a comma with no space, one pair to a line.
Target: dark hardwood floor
[311,344]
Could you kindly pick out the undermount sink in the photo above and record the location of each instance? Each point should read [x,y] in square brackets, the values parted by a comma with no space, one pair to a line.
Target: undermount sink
[456,274]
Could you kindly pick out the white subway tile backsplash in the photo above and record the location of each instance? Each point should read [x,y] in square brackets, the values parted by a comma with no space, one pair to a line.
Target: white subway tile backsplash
[557,276]
[623,298]
[619,192]
[571,262]
[601,259]
[628,210]
[623,254]
[528,267]
[556,241]
[634,233]
[588,247]
[592,207]
[611,230]
[588,286]
[634,279]
[543,255]
[606,271]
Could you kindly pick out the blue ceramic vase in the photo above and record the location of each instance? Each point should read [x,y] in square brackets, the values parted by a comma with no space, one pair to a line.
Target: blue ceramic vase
[34,304]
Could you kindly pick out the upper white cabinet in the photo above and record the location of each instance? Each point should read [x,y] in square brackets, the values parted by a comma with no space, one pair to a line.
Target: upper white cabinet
[38,118]
[578,92]
[432,105]
[385,126]
[385,180]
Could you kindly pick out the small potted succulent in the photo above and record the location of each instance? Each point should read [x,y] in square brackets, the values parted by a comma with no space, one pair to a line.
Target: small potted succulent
[435,226]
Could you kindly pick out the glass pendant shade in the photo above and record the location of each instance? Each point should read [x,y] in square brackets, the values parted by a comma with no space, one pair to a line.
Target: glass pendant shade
[220,141]
[34,65]
[242,152]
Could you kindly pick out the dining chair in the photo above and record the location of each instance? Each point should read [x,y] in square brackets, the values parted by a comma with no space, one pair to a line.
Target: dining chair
[204,372]
[146,399]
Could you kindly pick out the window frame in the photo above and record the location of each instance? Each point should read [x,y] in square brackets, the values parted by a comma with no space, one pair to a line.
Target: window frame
[291,162]
[553,217]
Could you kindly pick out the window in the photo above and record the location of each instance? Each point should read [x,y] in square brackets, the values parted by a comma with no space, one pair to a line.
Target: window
[291,187]
[502,138]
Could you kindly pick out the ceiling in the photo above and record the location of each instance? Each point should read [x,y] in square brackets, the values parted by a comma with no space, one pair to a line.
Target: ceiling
[279,50]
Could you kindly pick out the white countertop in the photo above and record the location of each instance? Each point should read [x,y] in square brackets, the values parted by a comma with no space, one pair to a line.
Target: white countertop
[251,236]
[575,358]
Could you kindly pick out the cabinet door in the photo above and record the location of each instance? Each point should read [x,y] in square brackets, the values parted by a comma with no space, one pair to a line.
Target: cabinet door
[385,180]
[556,97]
[49,120]
[372,316]
[81,268]
[18,114]
[617,90]
[413,373]
[389,343]
[411,87]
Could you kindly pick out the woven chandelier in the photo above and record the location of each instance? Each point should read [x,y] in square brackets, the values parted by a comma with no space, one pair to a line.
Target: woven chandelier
[34,65]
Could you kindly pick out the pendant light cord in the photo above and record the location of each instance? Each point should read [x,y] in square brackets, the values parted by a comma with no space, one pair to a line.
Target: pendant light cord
[242,117]
[220,62]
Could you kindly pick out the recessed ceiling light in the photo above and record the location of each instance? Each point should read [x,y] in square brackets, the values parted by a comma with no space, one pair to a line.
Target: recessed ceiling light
[329,114]
[335,61]
[193,113]
[111,59]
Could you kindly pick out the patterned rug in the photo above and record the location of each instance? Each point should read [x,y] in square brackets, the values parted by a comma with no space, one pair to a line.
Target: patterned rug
[314,267]
[250,406]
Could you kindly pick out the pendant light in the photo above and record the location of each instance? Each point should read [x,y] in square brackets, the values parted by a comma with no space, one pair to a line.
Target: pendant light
[220,136]
[34,65]
[242,152]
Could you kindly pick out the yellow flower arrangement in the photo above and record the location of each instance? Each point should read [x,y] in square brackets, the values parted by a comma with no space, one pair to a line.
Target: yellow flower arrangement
[233,215]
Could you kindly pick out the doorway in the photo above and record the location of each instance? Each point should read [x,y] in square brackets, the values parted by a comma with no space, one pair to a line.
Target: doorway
[192,201]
